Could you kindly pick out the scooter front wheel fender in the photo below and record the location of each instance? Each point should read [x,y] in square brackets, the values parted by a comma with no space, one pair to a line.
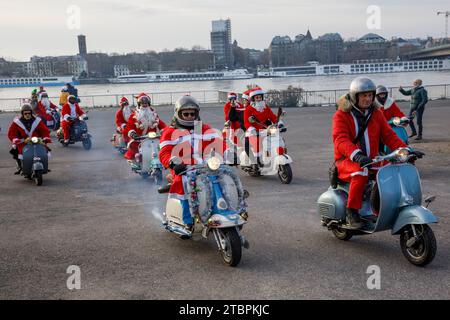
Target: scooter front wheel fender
[413,215]
[282,160]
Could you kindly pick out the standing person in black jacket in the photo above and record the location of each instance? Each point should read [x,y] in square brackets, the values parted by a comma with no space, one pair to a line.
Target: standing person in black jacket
[419,98]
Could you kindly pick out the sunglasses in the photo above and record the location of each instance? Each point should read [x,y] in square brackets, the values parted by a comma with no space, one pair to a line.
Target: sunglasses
[188,114]
[27,113]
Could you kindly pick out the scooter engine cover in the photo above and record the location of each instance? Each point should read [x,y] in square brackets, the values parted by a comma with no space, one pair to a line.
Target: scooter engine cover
[174,211]
[332,203]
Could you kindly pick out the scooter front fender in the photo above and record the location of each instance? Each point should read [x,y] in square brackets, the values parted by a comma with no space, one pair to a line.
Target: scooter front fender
[413,215]
[281,160]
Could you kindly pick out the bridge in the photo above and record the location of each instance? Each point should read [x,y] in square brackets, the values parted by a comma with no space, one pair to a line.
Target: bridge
[440,52]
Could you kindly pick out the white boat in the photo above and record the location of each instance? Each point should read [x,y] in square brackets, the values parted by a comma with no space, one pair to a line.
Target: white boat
[356,68]
[37,81]
[183,76]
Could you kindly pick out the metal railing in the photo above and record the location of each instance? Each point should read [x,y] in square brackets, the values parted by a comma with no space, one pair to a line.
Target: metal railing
[110,100]
[301,98]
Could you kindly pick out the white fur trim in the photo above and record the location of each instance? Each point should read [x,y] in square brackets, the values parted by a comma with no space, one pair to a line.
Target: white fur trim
[389,102]
[364,173]
[256,92]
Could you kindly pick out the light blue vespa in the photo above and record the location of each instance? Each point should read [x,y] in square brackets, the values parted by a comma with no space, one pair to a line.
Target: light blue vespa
[392,202]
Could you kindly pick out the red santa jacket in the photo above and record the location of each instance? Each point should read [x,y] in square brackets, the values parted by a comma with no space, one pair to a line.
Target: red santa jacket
[121,120]
[17,133]
[345,130]
[191,147]
[391,110]
[134,125]
[41,110]
[263,116]
[69,111]
[226,109]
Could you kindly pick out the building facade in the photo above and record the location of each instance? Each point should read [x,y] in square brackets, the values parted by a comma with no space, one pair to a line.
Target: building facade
[221,44]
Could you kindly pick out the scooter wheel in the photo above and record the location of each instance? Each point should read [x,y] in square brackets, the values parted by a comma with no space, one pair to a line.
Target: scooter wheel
[423,250]
[38,178]
[233,251]
[342,234]
[285,173]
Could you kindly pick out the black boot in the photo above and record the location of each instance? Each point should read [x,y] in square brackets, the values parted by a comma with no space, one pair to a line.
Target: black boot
[352,219]
[419,137]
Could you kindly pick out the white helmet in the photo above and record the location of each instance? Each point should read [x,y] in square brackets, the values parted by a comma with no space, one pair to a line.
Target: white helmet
[183,103]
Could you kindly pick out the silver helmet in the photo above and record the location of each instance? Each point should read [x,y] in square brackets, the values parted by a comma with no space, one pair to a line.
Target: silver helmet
[381,89]
[359,85]
[183,103]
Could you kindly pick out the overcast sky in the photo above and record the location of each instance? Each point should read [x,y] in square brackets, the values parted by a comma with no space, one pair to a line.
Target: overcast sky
[41,27]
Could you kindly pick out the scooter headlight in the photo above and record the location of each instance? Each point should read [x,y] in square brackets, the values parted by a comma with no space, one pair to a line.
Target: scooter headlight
[396,121]
[34,140]
[213,163]
[402,155]
[273,131]
[152,135]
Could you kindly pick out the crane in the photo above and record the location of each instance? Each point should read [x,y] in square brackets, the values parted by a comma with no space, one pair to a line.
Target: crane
[447,13]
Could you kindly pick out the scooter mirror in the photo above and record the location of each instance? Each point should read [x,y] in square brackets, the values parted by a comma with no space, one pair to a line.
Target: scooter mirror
[251,119]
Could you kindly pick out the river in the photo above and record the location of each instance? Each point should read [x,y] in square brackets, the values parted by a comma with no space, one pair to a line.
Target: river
[312,83]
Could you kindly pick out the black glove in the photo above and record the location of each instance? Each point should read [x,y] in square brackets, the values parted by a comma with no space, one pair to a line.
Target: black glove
[179,169]
[418,154]
[361,159]
[134,135]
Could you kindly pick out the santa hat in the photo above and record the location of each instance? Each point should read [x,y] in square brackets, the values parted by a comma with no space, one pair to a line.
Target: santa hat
[232,95]
[256,91]
[142,95]
[123,100]
[245,95]
[41,94]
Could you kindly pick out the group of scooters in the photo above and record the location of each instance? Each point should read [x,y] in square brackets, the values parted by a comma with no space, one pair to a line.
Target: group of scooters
[217,200]
[35,153]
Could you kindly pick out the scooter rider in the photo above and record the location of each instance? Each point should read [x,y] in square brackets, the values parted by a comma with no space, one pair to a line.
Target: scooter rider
[141,122]
[234,112]
[24,128]
[187,141]
[386,104]
[45,108]
[263,115]
[122,116]
[358,127]
[70,111]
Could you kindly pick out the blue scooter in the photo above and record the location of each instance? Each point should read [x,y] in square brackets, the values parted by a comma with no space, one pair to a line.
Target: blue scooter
[35,160]
[78,132]
[216,204]
[392,202]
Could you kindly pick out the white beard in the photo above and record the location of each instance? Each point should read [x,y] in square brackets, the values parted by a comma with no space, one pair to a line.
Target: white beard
[46,103]
[259,105]
[146,117]
[126,111]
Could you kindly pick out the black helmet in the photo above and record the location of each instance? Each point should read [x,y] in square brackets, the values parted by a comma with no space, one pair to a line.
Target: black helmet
[26,107]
